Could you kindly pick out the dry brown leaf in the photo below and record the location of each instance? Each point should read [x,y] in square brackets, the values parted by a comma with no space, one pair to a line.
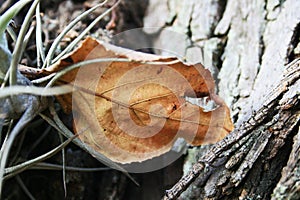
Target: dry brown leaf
[134,111]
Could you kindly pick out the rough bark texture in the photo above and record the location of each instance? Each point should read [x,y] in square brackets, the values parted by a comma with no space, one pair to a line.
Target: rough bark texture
[247,45]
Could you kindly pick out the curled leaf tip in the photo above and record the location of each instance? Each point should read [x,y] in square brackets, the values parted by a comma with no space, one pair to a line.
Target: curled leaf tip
[5,54]
[9,14]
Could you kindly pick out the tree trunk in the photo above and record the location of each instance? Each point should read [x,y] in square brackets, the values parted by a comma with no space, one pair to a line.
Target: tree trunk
[248,46]
[251,48]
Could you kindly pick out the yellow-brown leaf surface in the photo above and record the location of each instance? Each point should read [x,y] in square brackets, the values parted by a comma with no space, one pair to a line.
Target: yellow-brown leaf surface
[133,111]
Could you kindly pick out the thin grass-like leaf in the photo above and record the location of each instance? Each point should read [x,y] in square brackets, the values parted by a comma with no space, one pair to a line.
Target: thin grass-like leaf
[39,41]
[5,53]
[6,136]
[43,79]
[17,149]
[24,188]
[9,14]
[5,5]
[27,38]
[18,50]
[59,125]
[41,91]
[28,115]
[12,171]
[50,54]
[38,141]
[5,79]
[63,164]
[11,33]
[84,32]
[50,166]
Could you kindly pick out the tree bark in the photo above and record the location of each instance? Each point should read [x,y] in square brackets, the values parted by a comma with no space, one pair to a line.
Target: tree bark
[248,46]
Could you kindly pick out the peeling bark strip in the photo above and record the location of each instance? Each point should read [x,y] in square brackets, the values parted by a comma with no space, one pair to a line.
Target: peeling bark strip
[289,184]
[261,137]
